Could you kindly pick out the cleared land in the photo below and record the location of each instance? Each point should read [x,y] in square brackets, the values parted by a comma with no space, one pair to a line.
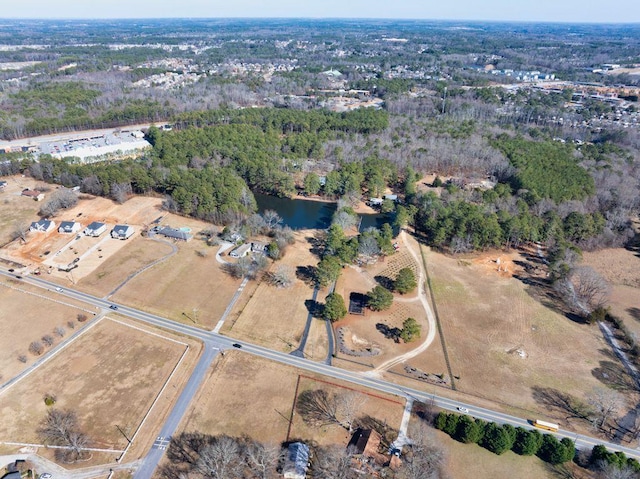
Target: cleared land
[27,314]
[14,208]
[190,286]
[506,346]
[248,395]
[110,377]
[276,316]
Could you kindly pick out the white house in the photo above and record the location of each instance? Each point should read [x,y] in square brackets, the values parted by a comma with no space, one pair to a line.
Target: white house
[240,251]
[122,232]
[42,226]
[95,229]
[69,227]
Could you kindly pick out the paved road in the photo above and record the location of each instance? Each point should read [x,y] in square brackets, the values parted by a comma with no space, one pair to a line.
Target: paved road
[213,340]
[299,351]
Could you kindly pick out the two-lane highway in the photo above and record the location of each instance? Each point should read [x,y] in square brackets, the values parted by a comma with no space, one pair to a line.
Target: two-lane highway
[214,342]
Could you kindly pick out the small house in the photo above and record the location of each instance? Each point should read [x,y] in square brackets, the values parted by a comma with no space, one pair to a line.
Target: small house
[240,251]
[33,194]
[175,233]
[258,247]
[366,442]
[42,226]
[391,197]
[375,201]
[69,227]
[95,229]
[297,461]
[122,232]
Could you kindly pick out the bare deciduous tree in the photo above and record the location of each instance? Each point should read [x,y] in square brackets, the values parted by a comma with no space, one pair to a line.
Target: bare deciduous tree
[334,462]
[584,290]
[425,459]
[60,427]
[120,191]
[262,459]
[20,231]
[349,405]
[368,246]
[605,402]
[59,331]
[36,348]
[22,358]
[271,218]
[47,339]
[282,277]
[71,324]
[318,407]
[614,471]
[220,459]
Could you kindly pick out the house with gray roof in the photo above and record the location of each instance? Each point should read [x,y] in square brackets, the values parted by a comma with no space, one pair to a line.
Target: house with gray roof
[122,232]
[69,227]
[95,229]
[297,461]
[42,226]
[175,233]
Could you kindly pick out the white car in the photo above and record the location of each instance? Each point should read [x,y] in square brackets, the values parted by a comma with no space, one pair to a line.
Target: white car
[45,475]
[58,289]
[463,409]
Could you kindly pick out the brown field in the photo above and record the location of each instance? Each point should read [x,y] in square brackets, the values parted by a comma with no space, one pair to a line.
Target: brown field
[186,287]
[16,209]
[27,314]
[621,268]
[248,395]
[506,346]
[130,256]
[276,316]
[110,377]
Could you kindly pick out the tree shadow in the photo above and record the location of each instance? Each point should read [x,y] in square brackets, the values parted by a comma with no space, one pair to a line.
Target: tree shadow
[317,245]
[384,282]
[612,374]
[306,274]
[389,333]
[314,308]
[559,401]
[634,312]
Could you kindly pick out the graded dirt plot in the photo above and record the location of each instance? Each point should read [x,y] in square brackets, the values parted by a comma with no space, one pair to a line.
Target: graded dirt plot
[26,314]
[124,259]
[276,316]
[186,287]
[137,211]
[248,395]
[109,376]
[506,346]
[14,208]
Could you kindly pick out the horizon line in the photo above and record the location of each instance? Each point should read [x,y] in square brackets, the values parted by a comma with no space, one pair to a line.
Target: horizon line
[390,19]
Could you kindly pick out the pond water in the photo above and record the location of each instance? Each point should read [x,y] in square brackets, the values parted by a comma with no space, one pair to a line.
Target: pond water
[306,214]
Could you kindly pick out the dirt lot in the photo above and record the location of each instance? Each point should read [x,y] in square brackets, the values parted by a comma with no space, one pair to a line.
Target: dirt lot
[277,316]
[39,312]
[506,346]
[187,287]
[228,402]
[14,208]
[110,377]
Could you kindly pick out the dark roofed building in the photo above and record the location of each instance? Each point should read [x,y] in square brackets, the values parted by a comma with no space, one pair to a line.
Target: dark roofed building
[122,232]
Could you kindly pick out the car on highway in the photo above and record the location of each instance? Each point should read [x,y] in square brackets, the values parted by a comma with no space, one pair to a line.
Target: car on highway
[45,475]
[463,409]
[236,345]
[58,289]
[113,306]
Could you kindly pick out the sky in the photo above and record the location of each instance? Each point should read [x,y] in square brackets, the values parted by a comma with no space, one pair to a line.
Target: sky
[592,11]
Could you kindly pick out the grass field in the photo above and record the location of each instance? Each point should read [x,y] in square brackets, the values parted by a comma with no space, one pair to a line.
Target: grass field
[110,377]
[14,208]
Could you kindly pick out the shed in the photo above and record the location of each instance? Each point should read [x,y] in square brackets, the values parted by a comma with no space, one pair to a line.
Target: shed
[391,197]
[122,232]
[297,461]
[95,229]
[375,201]
[3,184]
[42,226]
[175,233]
[69,227]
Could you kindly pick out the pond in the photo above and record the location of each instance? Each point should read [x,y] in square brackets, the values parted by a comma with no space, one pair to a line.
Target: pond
[307,214]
